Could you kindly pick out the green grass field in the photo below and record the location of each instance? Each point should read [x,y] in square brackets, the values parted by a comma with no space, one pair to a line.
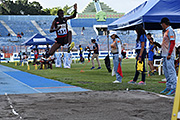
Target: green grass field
[99,80]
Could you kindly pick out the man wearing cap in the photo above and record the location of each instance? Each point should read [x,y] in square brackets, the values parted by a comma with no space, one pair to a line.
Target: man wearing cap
[95,54]
[168,54]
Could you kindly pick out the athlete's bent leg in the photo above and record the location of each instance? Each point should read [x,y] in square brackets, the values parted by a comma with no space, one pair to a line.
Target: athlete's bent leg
[69,37]
[54,48]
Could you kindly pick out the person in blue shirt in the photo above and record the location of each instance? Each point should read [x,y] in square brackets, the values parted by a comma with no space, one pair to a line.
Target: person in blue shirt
[151,53]
[80,54]
[141,54]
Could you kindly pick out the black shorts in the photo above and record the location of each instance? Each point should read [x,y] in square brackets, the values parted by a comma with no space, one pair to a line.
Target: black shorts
[62,41]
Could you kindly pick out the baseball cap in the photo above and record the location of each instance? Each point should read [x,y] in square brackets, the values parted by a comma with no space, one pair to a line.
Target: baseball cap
[92,39]
[165,20]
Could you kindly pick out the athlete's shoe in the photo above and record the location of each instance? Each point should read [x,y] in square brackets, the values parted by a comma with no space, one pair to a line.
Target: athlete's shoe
[165,90]
[92,68]
[116,81]
[71,46]
[131,82]
[99,68]
[171,92]
[141,83]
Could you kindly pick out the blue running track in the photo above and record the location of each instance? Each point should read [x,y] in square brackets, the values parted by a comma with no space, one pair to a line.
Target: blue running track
[14,81]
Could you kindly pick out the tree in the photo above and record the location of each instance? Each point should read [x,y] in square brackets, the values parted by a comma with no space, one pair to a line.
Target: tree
[53,11]
[65,9]
[21,7]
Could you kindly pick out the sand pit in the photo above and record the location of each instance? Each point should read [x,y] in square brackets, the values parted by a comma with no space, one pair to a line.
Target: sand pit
[93,105]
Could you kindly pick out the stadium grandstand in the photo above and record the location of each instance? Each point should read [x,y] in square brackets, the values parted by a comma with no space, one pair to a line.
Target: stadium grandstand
[91,22]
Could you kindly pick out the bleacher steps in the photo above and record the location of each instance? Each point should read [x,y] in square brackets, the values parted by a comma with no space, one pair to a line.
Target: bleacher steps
[8,28]
[97,6]
[38,27]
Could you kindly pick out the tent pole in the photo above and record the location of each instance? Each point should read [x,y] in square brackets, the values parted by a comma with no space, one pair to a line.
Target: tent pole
[108,40]
[143,25]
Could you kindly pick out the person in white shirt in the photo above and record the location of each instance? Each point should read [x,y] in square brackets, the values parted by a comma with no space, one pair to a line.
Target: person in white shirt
[117,57]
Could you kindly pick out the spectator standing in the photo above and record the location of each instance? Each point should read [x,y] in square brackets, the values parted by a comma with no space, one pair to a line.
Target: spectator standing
[95,54]
[117,57]
[36,53]
[89,52]
[82,31]
[168,54]
[47,49]
[151,53]
[141,54]
[80,54]
[20,55]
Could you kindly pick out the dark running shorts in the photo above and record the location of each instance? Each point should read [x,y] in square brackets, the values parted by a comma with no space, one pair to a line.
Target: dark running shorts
[62,40]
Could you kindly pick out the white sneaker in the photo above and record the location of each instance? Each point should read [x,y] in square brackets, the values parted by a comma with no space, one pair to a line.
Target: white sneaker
[116,81]
[164,79]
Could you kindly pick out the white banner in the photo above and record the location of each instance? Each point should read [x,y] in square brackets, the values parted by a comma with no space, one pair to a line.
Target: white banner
[58,57]
[67,60]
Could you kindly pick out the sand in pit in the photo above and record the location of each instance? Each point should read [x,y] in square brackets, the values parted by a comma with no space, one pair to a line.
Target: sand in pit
[94,105]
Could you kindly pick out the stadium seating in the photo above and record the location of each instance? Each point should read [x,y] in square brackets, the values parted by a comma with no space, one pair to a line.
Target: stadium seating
[24,24]
[45,25]
[3,31]
[90,22]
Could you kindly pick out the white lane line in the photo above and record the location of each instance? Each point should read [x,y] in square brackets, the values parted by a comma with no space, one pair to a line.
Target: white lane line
[160,95]
[11,106]
[22,83]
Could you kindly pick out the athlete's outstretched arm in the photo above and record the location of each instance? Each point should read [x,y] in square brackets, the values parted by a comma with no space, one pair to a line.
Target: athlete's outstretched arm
[74,14]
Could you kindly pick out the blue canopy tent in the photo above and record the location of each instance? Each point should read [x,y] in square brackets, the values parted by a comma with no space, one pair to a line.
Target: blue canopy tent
[149,14]
[38,39]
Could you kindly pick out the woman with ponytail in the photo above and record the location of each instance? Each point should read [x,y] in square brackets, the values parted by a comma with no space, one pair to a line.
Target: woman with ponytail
[141,54]
[117,57]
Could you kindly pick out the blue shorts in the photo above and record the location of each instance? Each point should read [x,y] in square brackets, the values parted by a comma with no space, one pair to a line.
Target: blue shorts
[150,57]
[80,55]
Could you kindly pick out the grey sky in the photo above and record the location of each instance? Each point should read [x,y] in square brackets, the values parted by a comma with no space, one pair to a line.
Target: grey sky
[117,5]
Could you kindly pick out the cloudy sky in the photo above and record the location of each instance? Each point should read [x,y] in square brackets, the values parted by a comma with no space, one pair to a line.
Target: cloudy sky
[117,5]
